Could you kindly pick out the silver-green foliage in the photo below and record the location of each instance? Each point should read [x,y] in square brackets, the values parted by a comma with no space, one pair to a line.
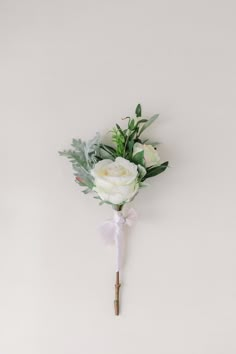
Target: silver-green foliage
[83,157]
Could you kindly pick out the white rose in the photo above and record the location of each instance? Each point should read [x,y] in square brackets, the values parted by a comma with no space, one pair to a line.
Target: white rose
[151,156]
[115,181]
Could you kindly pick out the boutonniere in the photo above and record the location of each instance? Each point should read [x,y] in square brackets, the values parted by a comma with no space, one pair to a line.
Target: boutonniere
[115,173]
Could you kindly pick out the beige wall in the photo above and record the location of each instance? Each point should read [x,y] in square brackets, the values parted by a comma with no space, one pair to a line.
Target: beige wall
[71,68]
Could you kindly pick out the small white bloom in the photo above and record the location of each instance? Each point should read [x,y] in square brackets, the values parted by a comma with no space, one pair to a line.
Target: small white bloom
[151,156]
[115,181]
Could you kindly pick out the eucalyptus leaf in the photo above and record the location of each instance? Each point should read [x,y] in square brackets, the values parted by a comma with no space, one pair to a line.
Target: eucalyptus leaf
[142,121]
[131,124]
[130,148]
[148,123]
[154,171]
[138,158]
[109,150]
[104,155]
[142,171]
[132,135]
[138,110]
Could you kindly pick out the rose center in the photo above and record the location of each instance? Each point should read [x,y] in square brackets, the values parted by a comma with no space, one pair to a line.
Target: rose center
[115,171]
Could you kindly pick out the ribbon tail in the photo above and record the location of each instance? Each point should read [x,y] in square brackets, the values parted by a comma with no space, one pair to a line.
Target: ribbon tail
[112,231]
[131,217]
[107,231]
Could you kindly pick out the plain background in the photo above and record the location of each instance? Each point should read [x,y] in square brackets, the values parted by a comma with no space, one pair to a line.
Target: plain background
[71,68]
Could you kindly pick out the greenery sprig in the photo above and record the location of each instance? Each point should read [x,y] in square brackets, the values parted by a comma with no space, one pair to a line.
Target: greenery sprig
[85,155]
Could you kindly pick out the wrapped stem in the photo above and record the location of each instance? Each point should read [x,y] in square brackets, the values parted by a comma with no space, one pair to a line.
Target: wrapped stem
[117,284]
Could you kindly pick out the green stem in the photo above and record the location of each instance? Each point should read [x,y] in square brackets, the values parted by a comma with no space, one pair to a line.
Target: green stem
[117,207]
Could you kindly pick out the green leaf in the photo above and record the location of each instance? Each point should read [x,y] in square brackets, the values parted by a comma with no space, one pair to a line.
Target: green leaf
[141,121]
[138,110]
[98,158]
[130,148]
[104,155]
[138,158]
[148,123]
[154,171]
[142,171]
[131,124]
[109,150]
[131,137]
[120,130]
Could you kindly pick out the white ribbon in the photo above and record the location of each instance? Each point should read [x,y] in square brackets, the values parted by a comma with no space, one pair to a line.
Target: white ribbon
[112,231]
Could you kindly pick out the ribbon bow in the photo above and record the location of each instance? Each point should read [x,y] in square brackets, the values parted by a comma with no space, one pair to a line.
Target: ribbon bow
[112,231]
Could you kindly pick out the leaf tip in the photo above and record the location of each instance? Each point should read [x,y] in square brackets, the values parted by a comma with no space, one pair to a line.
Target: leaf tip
[138,110]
